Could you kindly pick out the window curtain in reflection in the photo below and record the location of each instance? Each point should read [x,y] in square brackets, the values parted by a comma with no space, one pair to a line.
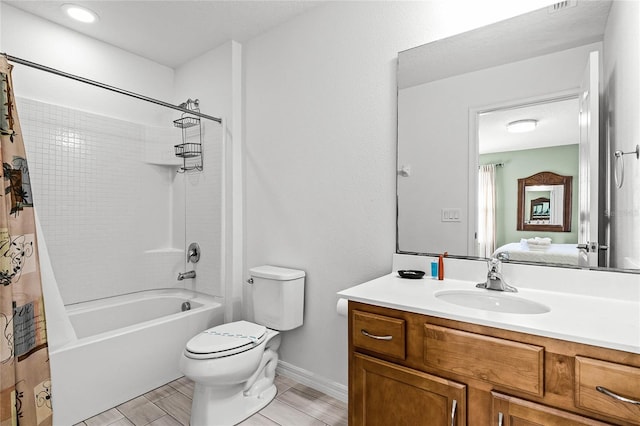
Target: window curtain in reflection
[25,383]
[486,210]
[556,201]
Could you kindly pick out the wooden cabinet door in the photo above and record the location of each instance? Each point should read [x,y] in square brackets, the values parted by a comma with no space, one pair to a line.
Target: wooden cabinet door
[511,411]
[386,394]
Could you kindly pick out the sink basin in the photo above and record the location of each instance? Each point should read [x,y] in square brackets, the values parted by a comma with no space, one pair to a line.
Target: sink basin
[493,301]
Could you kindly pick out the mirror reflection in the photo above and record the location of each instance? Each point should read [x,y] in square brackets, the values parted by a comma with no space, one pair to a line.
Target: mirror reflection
[544,203]
[563,74]
[540,208]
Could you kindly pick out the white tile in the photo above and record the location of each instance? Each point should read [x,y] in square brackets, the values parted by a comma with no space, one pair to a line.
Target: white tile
[93,190]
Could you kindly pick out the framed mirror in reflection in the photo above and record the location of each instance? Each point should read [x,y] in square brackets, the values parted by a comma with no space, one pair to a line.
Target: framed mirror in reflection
[571,73]
[544,203]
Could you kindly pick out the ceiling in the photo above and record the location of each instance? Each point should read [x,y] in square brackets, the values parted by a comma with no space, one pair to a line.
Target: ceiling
[557,125]
[171,32]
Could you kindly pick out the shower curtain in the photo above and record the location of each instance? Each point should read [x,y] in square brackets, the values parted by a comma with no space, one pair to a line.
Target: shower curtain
[25,383]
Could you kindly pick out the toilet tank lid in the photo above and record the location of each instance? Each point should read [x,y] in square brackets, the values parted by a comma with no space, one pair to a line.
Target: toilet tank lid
[276,273]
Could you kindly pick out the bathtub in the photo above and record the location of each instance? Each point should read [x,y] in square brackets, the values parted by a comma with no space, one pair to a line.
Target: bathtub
[125,346]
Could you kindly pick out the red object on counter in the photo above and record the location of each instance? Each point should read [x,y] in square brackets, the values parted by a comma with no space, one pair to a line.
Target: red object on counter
[441,265]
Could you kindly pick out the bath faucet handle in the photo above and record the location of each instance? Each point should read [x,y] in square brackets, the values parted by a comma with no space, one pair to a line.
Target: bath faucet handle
[193,253]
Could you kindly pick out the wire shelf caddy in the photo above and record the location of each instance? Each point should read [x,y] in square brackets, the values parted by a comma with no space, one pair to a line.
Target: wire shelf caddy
[190,150]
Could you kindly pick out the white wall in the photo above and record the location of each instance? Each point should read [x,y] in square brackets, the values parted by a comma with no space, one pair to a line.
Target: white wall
[320,136]
[102,208]
[622,80]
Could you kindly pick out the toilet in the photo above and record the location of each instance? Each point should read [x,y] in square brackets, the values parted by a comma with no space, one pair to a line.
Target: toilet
[233,365]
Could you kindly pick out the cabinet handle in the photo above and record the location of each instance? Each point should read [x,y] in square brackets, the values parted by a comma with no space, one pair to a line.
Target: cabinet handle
[500,418]
[453,412]
[376,337]
[614,395]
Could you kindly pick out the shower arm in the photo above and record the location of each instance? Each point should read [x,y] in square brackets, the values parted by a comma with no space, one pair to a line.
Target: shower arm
[20,61]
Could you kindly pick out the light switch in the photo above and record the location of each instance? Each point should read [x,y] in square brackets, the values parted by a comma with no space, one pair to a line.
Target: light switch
[451,215]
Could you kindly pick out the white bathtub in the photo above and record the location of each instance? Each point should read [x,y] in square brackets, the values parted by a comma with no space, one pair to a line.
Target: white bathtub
[126,346]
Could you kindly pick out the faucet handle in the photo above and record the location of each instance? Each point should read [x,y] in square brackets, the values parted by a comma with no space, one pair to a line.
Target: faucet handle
[193,253]
[502,256]
[493,264]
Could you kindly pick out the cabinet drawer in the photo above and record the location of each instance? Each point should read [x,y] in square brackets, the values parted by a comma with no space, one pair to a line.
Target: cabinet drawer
[622,380]
[379,333]
[502,362]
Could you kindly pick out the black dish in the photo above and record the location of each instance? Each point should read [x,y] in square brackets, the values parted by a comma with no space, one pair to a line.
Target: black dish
[411,274]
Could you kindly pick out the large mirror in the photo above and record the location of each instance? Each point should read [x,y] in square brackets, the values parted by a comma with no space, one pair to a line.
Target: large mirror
[569,71]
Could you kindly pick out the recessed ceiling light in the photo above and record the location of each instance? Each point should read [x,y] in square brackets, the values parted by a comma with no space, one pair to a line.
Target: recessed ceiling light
[522,126]
[80,13]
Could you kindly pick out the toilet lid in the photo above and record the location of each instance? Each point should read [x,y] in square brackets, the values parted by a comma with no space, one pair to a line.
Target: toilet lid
[225,340]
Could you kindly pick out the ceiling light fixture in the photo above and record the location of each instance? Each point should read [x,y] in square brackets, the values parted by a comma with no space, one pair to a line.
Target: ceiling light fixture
[80,13]
[522,126]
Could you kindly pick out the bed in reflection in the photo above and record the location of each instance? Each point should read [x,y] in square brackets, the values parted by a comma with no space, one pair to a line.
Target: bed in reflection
[542,250]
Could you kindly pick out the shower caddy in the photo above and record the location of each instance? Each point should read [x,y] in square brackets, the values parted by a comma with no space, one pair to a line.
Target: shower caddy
[190,150]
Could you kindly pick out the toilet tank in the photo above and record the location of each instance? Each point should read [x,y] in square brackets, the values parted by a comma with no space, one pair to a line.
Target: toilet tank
[278,296]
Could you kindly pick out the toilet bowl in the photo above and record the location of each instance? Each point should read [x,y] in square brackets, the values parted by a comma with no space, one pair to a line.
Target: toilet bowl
[233,365]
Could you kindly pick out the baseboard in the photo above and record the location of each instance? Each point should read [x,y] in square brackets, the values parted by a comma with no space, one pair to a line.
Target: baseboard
[307,378]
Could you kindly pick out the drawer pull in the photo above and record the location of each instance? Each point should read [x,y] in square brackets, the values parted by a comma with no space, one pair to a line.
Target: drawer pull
[500,418]
[614,395]
[453,412]
[376,337]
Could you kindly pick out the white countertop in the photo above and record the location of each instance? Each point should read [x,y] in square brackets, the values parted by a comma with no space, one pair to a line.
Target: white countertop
[607,322]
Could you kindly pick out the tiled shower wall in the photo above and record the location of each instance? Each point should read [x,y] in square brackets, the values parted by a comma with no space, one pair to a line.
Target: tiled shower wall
[113,218]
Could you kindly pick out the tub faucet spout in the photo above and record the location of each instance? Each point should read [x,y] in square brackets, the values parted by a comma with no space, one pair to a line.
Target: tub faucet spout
[185,275]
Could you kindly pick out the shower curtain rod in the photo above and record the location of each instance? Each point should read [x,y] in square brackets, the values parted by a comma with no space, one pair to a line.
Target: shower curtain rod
[107,87]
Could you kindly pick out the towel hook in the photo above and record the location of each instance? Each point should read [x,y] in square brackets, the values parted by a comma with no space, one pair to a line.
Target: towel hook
[619,165]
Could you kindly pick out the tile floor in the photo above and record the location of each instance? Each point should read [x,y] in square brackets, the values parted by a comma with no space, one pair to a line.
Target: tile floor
[170,405]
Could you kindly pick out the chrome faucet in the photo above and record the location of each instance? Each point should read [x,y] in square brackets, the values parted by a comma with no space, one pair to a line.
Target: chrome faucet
[495,280]
[185,275]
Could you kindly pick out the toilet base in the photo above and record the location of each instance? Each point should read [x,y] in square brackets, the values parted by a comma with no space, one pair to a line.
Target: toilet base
[209,409]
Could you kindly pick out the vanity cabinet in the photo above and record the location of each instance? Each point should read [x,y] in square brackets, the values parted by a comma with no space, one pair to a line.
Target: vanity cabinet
[389,394]
[410,369]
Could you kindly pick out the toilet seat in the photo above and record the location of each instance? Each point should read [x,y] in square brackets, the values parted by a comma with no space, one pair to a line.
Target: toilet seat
[225,340]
